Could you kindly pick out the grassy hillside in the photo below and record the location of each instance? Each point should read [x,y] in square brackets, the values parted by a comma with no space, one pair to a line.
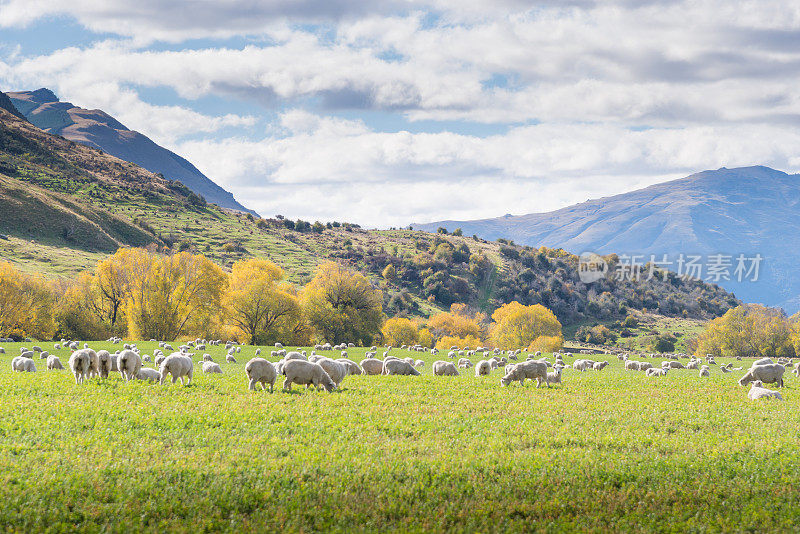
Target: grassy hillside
[63,206]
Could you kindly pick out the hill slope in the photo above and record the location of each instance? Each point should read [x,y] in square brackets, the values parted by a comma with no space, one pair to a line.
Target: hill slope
[97,129]
[751,210]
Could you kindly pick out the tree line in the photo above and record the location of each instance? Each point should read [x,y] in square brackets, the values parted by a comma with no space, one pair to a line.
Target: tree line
[139,293]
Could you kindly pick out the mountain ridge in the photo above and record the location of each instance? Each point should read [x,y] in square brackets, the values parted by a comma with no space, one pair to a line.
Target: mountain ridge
[98,129]
[745,210]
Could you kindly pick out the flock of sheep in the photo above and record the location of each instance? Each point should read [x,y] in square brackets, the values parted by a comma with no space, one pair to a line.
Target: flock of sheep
[322,372]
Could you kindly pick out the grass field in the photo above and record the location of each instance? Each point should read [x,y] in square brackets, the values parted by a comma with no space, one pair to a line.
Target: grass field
[607,451]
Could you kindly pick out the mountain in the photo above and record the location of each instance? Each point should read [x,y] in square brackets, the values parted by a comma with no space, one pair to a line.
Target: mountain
[97,129]
[749,210]
[6,104]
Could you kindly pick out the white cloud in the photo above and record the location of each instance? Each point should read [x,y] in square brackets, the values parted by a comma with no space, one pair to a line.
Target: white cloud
[593,97]
[330,168]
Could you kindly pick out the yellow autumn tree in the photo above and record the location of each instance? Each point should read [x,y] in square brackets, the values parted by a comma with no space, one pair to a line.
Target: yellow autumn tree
[260,308]
[26,305]
[399,331]
[517,326]
[457,323]
[342,306]
[749,330]
[172,295]
[81,310]
[113,287]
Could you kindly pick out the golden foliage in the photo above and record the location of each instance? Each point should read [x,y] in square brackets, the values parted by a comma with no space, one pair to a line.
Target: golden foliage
[260,309]
[750,330]
[399,331]
[516,326]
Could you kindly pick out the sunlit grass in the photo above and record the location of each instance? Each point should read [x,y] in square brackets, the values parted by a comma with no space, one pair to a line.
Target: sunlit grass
[613,450]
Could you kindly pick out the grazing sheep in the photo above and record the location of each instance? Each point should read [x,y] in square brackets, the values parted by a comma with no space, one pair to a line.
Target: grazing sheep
[484,368]
[179,365]
[599,366]
[54,363]
[207,358]
[704,371]
[352,367]
[657,372]
[771,373]
[631,365]
[150,375]
[583,365]
[336,370]
[79,363]
[758,392]
[763,361]
[304,373]
[443,368]
[43,355]
[212,368]
[26,354]
[103,363]
[259,370]
[258,352]
[230,359]
[293,356]
[129,364]
[23,365]
[398,367]
[419,363]
[672,365]
[693,364]
[464,363]
[372,366]
[531,369]
[159,359]
[644,366]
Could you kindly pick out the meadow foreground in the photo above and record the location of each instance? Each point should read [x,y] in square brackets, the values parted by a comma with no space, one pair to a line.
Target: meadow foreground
[609,450]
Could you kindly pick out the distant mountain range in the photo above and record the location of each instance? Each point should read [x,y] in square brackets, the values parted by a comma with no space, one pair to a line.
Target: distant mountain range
[749,211]
[97,129]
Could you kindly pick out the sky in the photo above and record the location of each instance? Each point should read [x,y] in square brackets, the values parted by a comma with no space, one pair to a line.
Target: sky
[389,113]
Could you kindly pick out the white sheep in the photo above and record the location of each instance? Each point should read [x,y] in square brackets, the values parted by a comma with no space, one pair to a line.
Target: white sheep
[304,373]
[260,371]
[336,370]
[54,363]
[207,358]
[554,377]
[757,391]
[394,366]
[599,366]
[444,368]
[484,368]
[293,356]
[103,363]
[657,372]
[129,364]
[230,359]
[530,369]
[23,365]
[769,373]
[149,375]
[704,371]
[352,367]
[211,368]
[79,363]
[178,365]
[372,366]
